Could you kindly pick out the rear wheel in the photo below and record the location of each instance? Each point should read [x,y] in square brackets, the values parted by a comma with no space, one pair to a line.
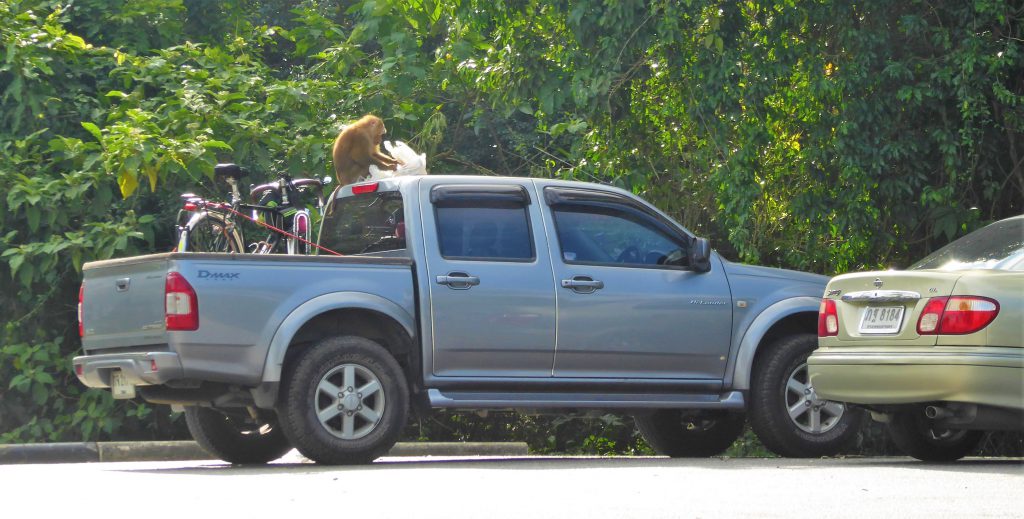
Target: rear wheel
[212,232]
[919,437]
[684,434]
[344,401]
[785,412]
[235,437]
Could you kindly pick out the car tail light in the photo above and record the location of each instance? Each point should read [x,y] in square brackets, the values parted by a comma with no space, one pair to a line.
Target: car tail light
[190,206]
[957,315]
[828,319]
[359,189]
[967,314]
[79,370]
[302,224]
[181,307]
[928,323]
[81,297]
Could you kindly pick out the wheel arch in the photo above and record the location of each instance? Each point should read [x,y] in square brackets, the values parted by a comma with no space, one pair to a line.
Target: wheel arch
[793,315]
[342,313]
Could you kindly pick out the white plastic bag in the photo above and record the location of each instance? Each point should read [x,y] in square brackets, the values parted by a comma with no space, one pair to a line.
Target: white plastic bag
[412,163]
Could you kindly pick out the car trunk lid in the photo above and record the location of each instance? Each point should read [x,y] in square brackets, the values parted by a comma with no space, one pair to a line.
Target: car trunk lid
[879,307]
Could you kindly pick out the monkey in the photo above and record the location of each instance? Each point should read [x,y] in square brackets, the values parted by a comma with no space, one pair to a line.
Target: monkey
[358,146]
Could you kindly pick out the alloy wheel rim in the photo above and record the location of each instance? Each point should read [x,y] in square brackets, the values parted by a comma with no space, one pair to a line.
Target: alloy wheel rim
[349,401]
[805,409]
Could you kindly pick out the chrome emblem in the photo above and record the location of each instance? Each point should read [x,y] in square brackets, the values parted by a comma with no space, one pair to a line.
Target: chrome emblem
[878,283]
[833,293]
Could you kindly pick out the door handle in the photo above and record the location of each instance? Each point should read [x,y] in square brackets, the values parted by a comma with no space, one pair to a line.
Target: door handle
[458,280]
[582,284]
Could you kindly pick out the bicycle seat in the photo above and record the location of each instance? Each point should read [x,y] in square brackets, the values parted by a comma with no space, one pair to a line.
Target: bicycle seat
[300,184]
[229,171]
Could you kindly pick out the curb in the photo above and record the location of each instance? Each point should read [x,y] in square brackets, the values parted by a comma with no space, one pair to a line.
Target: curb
[89,452]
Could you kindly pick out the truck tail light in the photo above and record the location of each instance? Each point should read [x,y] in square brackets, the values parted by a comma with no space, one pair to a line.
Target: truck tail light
[957,315]
[828,319]
[181,307]
[81,297]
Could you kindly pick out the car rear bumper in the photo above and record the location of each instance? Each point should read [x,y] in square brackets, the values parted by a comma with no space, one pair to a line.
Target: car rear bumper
[903,378]
[138,368]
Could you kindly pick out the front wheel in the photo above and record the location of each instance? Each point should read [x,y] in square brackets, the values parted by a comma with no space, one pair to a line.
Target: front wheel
[785,412]
[917,436]
[236,438]
[680,434]
[344,401]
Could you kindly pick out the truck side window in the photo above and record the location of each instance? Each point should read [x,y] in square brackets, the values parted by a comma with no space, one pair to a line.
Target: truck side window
[484,231]
[605,235]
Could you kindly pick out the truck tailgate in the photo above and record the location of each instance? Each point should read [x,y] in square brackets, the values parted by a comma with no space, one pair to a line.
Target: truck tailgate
[124,302]
[240,302]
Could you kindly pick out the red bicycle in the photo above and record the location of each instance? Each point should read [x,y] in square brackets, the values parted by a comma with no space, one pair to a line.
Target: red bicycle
[281,207]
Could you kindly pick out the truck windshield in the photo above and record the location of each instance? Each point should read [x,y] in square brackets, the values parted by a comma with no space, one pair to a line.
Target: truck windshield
[364,224]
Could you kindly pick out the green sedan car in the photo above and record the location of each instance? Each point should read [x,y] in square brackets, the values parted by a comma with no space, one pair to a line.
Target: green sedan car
[935,351]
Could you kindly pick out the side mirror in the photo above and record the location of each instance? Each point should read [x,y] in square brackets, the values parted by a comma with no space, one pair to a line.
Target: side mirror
[700,255]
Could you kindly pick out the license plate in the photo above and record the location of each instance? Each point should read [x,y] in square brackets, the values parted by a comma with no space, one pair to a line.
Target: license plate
[881,319]
[120,386]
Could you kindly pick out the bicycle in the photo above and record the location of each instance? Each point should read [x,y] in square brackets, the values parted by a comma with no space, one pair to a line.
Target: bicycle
[206,226]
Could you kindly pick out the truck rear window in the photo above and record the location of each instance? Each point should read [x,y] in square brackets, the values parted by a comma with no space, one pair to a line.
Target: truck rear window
[364,224]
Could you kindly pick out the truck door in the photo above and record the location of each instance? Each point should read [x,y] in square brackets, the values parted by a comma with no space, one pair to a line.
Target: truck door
[492,295]
[628,306]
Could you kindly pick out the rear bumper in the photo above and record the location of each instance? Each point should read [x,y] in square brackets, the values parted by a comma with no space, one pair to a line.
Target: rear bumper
[95,370]
[905,378]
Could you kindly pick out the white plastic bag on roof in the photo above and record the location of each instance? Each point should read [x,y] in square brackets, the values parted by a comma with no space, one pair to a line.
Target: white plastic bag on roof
[412,163]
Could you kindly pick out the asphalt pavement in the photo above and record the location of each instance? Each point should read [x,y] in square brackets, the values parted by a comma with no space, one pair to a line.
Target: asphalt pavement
[531,487]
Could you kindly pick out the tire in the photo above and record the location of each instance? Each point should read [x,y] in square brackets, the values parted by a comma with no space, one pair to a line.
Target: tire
[211,232]
[674,433]
[235,439]
[913,433]
[344,401]
[817,427]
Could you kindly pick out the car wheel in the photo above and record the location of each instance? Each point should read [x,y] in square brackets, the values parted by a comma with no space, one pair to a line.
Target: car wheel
[680,434]
[234,437]
[785,412]
[917,436]
[344,401]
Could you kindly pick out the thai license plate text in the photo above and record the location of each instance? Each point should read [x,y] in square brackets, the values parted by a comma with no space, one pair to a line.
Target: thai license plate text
[881,319]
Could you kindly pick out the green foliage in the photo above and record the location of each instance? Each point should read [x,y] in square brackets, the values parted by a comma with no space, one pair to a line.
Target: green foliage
[824,136]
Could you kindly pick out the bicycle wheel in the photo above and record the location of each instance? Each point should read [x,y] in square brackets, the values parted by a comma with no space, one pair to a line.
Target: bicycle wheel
[211,232]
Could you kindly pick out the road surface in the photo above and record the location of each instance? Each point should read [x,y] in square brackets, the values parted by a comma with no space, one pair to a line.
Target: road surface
[520,488]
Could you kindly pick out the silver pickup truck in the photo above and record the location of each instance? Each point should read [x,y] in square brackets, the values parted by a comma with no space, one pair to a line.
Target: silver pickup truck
[474,293]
